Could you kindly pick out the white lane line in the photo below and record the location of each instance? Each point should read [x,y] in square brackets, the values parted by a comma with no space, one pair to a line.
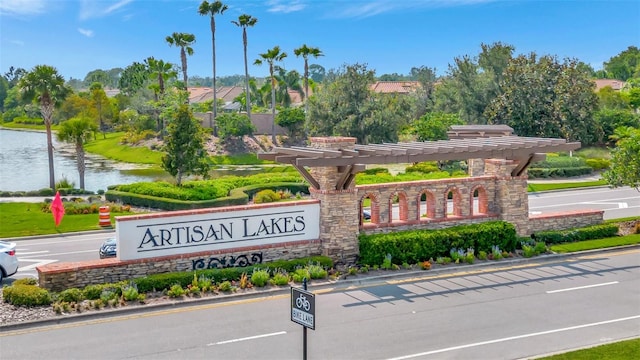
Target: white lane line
[38,262]
[248,338]
[581,287]
[21,255]
[514,338]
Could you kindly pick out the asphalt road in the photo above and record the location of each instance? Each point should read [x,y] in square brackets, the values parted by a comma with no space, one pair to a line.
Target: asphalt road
[616,203]
[513,311]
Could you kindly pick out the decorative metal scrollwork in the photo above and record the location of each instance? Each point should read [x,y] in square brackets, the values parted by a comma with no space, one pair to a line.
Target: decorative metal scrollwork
[243,260]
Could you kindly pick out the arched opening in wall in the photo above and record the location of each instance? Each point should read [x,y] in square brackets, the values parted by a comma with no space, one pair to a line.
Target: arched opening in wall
[427,205]
[479,201]
[369,209]
[453,200]
[398,207]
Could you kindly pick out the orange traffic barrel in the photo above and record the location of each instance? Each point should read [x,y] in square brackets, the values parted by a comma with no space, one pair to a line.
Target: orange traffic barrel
[105,217]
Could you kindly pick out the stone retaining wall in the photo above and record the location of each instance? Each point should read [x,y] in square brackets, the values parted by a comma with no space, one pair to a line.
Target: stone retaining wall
[565,220]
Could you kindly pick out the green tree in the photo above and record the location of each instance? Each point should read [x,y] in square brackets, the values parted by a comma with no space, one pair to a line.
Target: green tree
[287,81]
[234,125]
[624,65]
[45,86]
[184,42]
[305,52]
[542,97]
[14,75]
[271,56]
[608,120]
[133,78]
[161,72]
[102,105]
[212,9]
[291,119]
[612,99]
[472,83]
[184,146]
[78,131]
[434,126]
[625,167]
[245,21]
[97,76]
[317,73]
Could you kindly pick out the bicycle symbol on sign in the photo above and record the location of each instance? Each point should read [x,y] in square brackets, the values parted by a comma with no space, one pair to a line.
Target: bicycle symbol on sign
[302,302]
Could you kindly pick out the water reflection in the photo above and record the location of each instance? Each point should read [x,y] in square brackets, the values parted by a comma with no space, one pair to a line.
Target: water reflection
[24,164]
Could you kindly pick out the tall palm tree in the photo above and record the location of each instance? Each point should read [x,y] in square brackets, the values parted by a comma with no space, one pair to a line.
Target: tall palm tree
[244,21]
[287,80]
[44,85]
[271,56]
[305,51]
[184,42]
[78,131]
[211,9]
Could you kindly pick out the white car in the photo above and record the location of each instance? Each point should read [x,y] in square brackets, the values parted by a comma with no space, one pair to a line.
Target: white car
[8,259]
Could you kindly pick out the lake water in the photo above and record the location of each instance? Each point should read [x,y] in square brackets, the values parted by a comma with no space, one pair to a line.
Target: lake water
[24,165]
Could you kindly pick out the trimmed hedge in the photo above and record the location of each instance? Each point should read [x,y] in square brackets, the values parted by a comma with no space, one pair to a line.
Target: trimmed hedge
[578,234]
[559,172]
[26,295]
[415,246]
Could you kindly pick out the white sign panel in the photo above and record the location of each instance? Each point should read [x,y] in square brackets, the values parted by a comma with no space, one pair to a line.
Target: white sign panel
[140,237]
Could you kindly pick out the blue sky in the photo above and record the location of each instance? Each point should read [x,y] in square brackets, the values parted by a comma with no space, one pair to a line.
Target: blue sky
[390,36]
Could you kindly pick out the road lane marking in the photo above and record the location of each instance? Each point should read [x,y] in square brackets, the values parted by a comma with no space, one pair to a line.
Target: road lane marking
[248,338]
[64,253]
[38,262]
[517,337]
[24,253]
[581,287]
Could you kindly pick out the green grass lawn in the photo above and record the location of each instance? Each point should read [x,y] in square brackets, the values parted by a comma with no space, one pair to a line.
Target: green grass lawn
[596,244]
[623,350]
[26,219]
[564,185]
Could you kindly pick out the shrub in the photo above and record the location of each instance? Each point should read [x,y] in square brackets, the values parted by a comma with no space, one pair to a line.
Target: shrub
[92,292]
[175,291]
[26,295]
[26,281]
[70,295]
[266,196]
[300,274]
[578,234]
[260,278]
[225,286]
[317,271]
[130,293]
[280,278]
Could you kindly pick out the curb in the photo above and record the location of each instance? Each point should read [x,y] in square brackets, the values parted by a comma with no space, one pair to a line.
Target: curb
[325,286]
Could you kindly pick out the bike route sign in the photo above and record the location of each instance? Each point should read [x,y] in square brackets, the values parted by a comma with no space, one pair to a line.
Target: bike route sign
[303,308]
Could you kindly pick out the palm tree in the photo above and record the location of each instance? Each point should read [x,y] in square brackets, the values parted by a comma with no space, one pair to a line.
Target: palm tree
[305,51]
[162,72]
[211,9]
[271,56]
[44,85]
[78,131]
[287,80]
[184,42]
[245,21]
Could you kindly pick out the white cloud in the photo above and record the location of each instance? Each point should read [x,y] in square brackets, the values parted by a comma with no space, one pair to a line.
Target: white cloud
[90,9]
[22,7]
[363,9]
[18,42]
[280,6]
[85,32]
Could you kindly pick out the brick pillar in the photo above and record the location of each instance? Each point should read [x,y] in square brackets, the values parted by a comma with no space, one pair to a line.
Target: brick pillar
[339,218]
[511,200]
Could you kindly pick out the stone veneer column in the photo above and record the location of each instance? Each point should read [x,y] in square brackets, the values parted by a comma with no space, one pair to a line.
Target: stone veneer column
[512,200]
[339,218]
[476,167]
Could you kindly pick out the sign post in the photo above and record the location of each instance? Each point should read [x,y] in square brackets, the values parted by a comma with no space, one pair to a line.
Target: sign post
[303,311]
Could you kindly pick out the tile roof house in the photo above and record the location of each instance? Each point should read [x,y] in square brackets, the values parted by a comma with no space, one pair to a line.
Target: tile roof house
[202,94]
[397,87]
[614,84]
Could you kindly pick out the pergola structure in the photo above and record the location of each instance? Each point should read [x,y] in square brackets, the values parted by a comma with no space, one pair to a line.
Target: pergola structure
[524,150]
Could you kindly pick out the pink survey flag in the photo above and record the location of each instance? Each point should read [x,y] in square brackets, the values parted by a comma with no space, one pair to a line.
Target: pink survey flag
[57,209]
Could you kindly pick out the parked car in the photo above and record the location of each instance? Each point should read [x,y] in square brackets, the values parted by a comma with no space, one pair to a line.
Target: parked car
[366,214]
[108,248]
[8,259]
